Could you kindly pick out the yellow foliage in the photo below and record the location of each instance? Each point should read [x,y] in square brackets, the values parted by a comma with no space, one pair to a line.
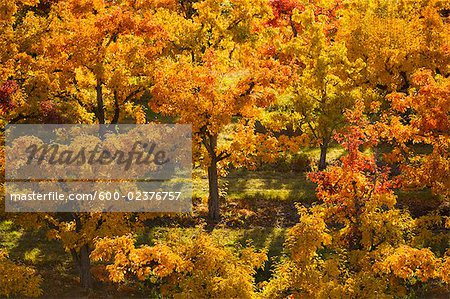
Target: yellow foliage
[18,280]
[196,267]
[410,263]
[355,243]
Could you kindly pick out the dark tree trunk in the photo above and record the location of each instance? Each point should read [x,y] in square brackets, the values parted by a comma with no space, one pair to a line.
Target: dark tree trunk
[83,265]
[323,155]
[213,200]
[81,258]
[115,119]
[100,113]
[210,142]
[100,104]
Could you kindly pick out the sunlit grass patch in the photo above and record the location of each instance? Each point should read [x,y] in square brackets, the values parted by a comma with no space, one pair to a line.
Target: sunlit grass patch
[293,187]
[267,185]
[334,152]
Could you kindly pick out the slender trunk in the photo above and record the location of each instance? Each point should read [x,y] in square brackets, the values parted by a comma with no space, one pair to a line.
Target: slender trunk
[81,258]
[213,181]
[100,110]
[115,119]
[323,155]
[213,200]
[83,265]
[100,105]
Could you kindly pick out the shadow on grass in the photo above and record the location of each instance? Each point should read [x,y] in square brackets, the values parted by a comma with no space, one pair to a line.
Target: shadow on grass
[270,239]
[419,202]
[32,248]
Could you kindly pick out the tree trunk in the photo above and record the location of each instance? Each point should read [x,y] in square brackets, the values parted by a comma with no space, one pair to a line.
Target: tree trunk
[115,119]
[100,104]
[213,200]
[323,155]
[213,178]
[83,265]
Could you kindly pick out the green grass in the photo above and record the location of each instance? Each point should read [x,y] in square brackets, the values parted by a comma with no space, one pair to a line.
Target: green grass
[272,184]
[293,187]
[334,152]
[33,247]
[268,185]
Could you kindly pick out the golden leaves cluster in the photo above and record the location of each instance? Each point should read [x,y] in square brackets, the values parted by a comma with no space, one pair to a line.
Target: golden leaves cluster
[196,266]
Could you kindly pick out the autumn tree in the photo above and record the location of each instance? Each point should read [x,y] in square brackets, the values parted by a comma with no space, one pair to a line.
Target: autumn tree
[395,38]
[354,242]
[85,62]
[216,75]
[326,81]
[428,125]
[327,85]
[77,62]
[407,69]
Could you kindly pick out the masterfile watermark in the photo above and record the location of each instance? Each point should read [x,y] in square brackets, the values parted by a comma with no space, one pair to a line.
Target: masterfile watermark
[98,168]
[144,156]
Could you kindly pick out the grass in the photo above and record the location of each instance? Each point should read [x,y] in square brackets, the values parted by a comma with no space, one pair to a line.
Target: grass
[270,185]
[30,246]
[256,198]
[276,184]
[334,152]
[294,187]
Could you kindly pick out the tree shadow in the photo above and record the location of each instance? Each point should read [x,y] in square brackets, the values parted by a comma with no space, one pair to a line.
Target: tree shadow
[270,239]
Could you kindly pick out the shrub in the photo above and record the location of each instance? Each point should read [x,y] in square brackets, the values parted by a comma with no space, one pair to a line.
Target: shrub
[18,280]
[193,267]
